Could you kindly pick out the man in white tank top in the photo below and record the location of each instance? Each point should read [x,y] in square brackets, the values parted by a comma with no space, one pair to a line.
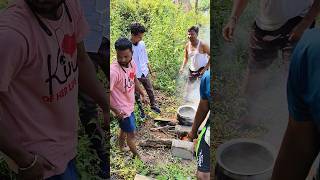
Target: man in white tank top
[278,26]
[198,53]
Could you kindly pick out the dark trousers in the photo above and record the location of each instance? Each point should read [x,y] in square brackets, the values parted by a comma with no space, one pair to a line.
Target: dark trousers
[146,83]
[69,174]
[88,109]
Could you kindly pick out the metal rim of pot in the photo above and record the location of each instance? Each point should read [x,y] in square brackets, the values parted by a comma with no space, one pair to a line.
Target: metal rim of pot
[266,145]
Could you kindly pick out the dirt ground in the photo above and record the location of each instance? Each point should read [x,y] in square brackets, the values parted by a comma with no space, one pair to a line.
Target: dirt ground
[153,157]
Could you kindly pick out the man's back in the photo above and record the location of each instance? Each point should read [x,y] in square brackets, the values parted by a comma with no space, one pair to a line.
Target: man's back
[140,58]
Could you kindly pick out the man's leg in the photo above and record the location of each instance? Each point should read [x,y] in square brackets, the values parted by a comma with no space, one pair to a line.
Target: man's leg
[203,176]
[190,86]
[122,138]
[261,55]
[145,81]
[128,126]
[69,174]
[132,143]
[203,157]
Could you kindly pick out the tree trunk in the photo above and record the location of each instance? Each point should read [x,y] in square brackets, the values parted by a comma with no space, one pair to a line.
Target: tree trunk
[196,5]
[156,143]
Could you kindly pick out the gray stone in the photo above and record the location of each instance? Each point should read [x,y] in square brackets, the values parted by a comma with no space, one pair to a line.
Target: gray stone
[182,129]
[185,129]
[140,177]
[182,149]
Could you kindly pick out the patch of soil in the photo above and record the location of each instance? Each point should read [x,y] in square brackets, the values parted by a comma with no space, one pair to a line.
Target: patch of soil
[156,156]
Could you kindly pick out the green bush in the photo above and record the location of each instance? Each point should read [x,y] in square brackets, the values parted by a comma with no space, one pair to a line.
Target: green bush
[3,4]
[204,5]
[167,25]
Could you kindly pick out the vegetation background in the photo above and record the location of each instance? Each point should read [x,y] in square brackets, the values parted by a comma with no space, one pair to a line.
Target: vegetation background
[166,36]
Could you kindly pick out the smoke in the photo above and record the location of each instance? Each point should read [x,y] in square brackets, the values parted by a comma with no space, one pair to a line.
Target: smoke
[267,105]
[189,93]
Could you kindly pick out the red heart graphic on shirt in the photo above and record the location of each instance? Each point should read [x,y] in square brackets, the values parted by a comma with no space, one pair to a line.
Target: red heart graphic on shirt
[69,44]
[131,75]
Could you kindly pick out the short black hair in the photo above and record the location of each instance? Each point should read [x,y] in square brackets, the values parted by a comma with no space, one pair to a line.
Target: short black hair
[137,28]
[194,28]
[123,44]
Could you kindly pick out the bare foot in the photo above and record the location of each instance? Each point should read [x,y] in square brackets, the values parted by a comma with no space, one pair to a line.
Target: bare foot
[124,149]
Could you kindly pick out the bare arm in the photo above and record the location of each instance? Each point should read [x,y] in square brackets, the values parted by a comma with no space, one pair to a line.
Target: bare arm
[299,148]
[22,158]
[306,22]
[118,114]
[88,80]
[13,53]
[139,90]
[312,14]
[14,150]
[206,50]
[185,59]
[138,87]
[237,9]
[201,114]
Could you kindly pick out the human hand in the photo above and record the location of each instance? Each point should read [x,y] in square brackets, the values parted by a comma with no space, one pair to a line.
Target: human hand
[189,137]
[298,31]
[120,115]
[228,30]
[203,71]
[181,70]
[36,172]
[144,99]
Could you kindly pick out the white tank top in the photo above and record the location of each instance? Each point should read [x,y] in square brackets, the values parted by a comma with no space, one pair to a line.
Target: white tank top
[275,13]
[197,59]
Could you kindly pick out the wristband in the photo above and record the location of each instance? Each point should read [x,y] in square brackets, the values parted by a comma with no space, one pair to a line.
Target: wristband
[35,159]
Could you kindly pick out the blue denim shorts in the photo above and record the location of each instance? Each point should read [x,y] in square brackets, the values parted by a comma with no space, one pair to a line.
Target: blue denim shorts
[128,124]
[69,174]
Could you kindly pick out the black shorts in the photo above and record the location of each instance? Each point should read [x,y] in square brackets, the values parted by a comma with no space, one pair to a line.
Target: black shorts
[194,75]
[203,153]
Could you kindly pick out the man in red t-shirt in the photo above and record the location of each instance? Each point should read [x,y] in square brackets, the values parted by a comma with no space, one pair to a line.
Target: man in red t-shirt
[43,62]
